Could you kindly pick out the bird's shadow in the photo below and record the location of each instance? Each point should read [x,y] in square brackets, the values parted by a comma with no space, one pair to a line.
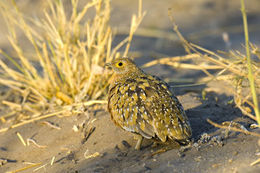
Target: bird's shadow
[218,108]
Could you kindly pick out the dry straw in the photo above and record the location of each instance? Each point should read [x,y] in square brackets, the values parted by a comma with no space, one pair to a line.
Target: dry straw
[61,66]
[251,77]
[235,68]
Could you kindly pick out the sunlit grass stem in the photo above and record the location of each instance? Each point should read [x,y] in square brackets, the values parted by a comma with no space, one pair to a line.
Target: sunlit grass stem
[249,64]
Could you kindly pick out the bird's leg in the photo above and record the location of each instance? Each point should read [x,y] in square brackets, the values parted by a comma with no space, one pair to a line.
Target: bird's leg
[139,139]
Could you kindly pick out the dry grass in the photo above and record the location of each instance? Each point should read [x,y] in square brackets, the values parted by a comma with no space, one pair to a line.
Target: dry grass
[251,77]
[233,67]
[61,68]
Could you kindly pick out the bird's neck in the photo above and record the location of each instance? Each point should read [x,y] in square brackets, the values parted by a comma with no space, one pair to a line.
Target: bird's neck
[122,77]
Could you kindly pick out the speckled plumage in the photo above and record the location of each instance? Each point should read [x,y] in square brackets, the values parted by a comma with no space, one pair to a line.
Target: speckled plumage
[143,104]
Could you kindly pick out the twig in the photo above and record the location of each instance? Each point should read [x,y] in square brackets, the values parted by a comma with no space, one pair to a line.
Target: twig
[51,125]
[87,103]
[25,168]
[172,59]
[43,166]
[21,138]
[34,142]
[255,162]
[32,120]
[233,128]
[246,113]
[215,61]
[52,160]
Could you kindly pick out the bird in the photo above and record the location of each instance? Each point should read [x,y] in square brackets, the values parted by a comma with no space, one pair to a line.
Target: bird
[144,105]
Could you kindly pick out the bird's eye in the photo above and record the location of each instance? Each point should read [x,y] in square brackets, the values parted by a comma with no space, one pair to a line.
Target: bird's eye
[120,64]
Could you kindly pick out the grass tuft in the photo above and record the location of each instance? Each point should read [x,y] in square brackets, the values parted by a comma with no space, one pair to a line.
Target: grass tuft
[60,63]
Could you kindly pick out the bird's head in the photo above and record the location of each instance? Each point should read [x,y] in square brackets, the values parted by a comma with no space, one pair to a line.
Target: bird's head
[123,66]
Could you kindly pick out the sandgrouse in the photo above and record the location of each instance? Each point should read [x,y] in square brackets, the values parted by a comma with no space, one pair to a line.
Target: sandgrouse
[144,105]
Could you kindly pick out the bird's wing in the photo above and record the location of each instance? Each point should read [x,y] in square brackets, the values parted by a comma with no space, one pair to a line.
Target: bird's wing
[166,114]
[127,110]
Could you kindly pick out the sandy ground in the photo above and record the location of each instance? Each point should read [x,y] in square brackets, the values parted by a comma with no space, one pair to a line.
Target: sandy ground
[214,150]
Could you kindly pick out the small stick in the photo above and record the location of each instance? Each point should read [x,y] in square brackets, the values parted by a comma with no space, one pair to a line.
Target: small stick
[24,168]
[34,142]
[255,162]
[172,59]
[32,120]
[21,138]
[43,166]
[246,113]
[233,128]
[52,160]
[51,125]
[88,103]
